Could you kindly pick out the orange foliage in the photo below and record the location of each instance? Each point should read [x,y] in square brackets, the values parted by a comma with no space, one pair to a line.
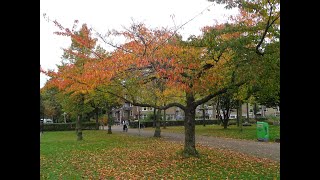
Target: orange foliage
[146,53]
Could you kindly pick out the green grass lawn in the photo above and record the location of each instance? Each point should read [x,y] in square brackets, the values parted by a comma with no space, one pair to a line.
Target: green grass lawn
[249,132]
[116,156]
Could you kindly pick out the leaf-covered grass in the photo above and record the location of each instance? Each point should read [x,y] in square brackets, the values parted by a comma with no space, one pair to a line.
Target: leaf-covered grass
[248,132]
[115,156]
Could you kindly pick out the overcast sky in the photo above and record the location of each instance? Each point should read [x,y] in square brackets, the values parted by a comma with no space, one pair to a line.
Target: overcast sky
[113,14]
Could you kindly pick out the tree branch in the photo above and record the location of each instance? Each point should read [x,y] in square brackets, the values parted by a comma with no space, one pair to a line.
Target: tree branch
[145,104]
[222,91]
[265,31]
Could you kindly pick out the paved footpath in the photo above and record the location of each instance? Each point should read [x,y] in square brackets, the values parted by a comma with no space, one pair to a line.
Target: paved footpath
[268,150]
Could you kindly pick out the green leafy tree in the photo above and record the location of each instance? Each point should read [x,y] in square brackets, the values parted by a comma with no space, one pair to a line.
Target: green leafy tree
[51,108]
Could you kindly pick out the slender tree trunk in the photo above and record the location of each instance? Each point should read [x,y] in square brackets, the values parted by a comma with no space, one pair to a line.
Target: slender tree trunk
[218,111]
[97,119]
[255,109]
[240,115]
[189,125]
[109,123]
[238,118]
[203,115]
[164,119]
[157,131]
[79,128]
[248,112]
[226,117]
[154,118]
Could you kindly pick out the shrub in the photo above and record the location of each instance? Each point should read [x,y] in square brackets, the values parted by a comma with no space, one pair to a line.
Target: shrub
[232,122]
[68,126]
[170,123]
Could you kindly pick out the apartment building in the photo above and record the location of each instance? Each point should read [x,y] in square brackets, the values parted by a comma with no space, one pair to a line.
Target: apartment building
[262,111]
[132,113]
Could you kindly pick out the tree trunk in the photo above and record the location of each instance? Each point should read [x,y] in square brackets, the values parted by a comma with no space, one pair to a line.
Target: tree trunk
[189,125]
[226,117]
[255,109]
[238,120]
[97,119]
[248,112]
[157,132]
[218,110]
[240,115]
[225,122]
[154,118]
[203,115]
[79,128]
[164,119]
[109,123]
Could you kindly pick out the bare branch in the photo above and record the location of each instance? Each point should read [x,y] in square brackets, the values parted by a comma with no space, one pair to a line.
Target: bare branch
[176,30]
[268,25]
[145,104]
[222,91]
[115,46]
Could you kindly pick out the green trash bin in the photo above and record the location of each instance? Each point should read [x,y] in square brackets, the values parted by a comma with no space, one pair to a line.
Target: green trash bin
[263,131]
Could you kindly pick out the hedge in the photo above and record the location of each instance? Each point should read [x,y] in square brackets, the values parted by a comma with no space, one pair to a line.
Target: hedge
[68,126]
[135,124]
[198,122]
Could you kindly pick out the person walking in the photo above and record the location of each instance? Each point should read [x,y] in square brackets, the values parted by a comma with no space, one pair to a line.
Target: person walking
[125,126]
[41,128]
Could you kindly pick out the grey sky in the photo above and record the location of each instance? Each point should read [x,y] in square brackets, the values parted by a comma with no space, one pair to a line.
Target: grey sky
[112,14]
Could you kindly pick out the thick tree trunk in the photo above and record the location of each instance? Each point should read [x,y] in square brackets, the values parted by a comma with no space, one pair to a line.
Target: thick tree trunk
[79,128]
[157,131]
[189,125]
[225,123]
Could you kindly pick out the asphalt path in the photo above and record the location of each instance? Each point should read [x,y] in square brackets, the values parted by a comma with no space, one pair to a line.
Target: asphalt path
[269,150]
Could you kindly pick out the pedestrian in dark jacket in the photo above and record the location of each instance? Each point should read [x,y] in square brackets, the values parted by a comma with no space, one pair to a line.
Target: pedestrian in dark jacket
[41,127]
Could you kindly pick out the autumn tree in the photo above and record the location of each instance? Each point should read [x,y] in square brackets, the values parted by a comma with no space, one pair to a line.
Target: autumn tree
[192,72]
[259,23]
[51,107]
[41,107]
[189,76]
[106,101]
[266,20]
[74,60]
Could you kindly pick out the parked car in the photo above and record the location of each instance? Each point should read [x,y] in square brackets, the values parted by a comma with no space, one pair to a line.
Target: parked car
[47,121]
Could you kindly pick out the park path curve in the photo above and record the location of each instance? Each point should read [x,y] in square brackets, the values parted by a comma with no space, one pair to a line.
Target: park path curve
[269,150]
